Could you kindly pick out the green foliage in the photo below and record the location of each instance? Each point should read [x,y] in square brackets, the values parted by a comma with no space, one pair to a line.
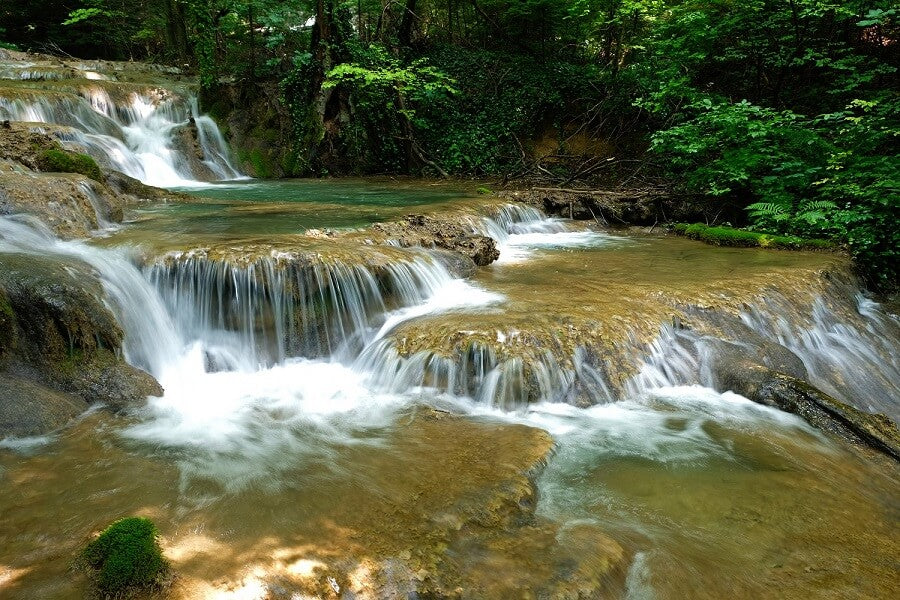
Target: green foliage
[771,106]
[786,108]
[741,238]
[125,556]
[62,161]
[388,99]
[503,101]
[6,45]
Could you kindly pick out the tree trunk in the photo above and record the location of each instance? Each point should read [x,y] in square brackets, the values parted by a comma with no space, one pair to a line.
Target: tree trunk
[406,24]
[176,31]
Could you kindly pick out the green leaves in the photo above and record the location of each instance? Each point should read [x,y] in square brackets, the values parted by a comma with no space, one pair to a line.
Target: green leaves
[84,14]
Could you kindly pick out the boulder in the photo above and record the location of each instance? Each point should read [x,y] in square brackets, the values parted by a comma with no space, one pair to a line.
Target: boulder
[445,233]
[57,336]
[779,390]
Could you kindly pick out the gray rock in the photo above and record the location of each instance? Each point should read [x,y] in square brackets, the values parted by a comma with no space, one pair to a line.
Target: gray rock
[790,394]
[28,408]
[57,336]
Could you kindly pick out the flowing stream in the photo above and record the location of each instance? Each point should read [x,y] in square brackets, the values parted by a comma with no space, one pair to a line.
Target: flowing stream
[343,418]
[285,386]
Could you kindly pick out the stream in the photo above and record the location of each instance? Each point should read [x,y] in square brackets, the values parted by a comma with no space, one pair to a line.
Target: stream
[349,418]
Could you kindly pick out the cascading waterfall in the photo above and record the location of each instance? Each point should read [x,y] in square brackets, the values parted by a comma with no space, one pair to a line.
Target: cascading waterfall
[152,341]
[279,306]
[137,136]
[189,318]
[519,230]
[849,351]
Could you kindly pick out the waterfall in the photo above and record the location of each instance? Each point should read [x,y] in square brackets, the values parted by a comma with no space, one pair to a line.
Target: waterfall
[188,317]
[520,230]
[148,135]
[151,341]
[282,306]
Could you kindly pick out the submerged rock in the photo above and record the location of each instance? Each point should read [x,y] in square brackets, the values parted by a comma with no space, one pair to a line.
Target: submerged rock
[30,409]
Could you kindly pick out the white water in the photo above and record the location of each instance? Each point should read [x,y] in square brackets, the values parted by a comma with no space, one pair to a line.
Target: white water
[520,231]
[230,341]
[244,401]
[136,137]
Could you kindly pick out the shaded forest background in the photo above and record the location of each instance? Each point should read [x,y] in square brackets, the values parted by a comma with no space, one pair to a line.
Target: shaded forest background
[787,109]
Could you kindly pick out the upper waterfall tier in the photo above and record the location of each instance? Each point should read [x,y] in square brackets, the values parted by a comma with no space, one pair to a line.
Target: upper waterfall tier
[149,131]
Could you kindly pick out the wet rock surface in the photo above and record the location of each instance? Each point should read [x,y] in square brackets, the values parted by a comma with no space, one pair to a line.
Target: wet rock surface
[30,409]
[767,386]
[71,204]
[186,141]
[437,232]
[56,332]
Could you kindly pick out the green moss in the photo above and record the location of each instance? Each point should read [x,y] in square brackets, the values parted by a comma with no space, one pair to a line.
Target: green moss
[484,191]
[258,161]
[7,324]
[261,133]
[742,238]
[126,556]
[62,161]
[289,164]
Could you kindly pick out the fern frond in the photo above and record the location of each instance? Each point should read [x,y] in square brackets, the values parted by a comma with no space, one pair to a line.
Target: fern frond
[766,209]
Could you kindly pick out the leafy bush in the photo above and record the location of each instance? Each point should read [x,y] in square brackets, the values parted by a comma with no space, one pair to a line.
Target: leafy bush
[63,161]
[125,556]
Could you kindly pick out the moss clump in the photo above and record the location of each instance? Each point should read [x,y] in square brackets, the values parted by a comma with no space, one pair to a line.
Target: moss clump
[62,161]
[126,557]
[741,238]
[484,191]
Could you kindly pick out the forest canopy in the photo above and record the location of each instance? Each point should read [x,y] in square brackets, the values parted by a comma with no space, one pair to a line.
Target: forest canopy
[786,109]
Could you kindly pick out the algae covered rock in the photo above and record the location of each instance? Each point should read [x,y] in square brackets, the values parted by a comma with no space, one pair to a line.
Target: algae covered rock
[126,558]
[58,160]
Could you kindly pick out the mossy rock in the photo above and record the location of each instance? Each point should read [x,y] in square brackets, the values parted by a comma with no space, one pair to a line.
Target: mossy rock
[55,160]
[742,238]
[126,557]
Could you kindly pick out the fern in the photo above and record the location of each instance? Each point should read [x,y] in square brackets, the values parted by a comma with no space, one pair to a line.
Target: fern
[767,209]
[818,205]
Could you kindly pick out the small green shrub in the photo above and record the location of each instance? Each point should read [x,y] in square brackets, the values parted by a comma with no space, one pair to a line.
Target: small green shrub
[62,161]
[125,556]
[741,238]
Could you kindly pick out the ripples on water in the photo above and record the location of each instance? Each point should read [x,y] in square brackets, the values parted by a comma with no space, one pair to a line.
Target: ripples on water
[710,494]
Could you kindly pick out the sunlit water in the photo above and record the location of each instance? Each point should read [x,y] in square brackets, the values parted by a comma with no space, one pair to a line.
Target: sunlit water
[270,466]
